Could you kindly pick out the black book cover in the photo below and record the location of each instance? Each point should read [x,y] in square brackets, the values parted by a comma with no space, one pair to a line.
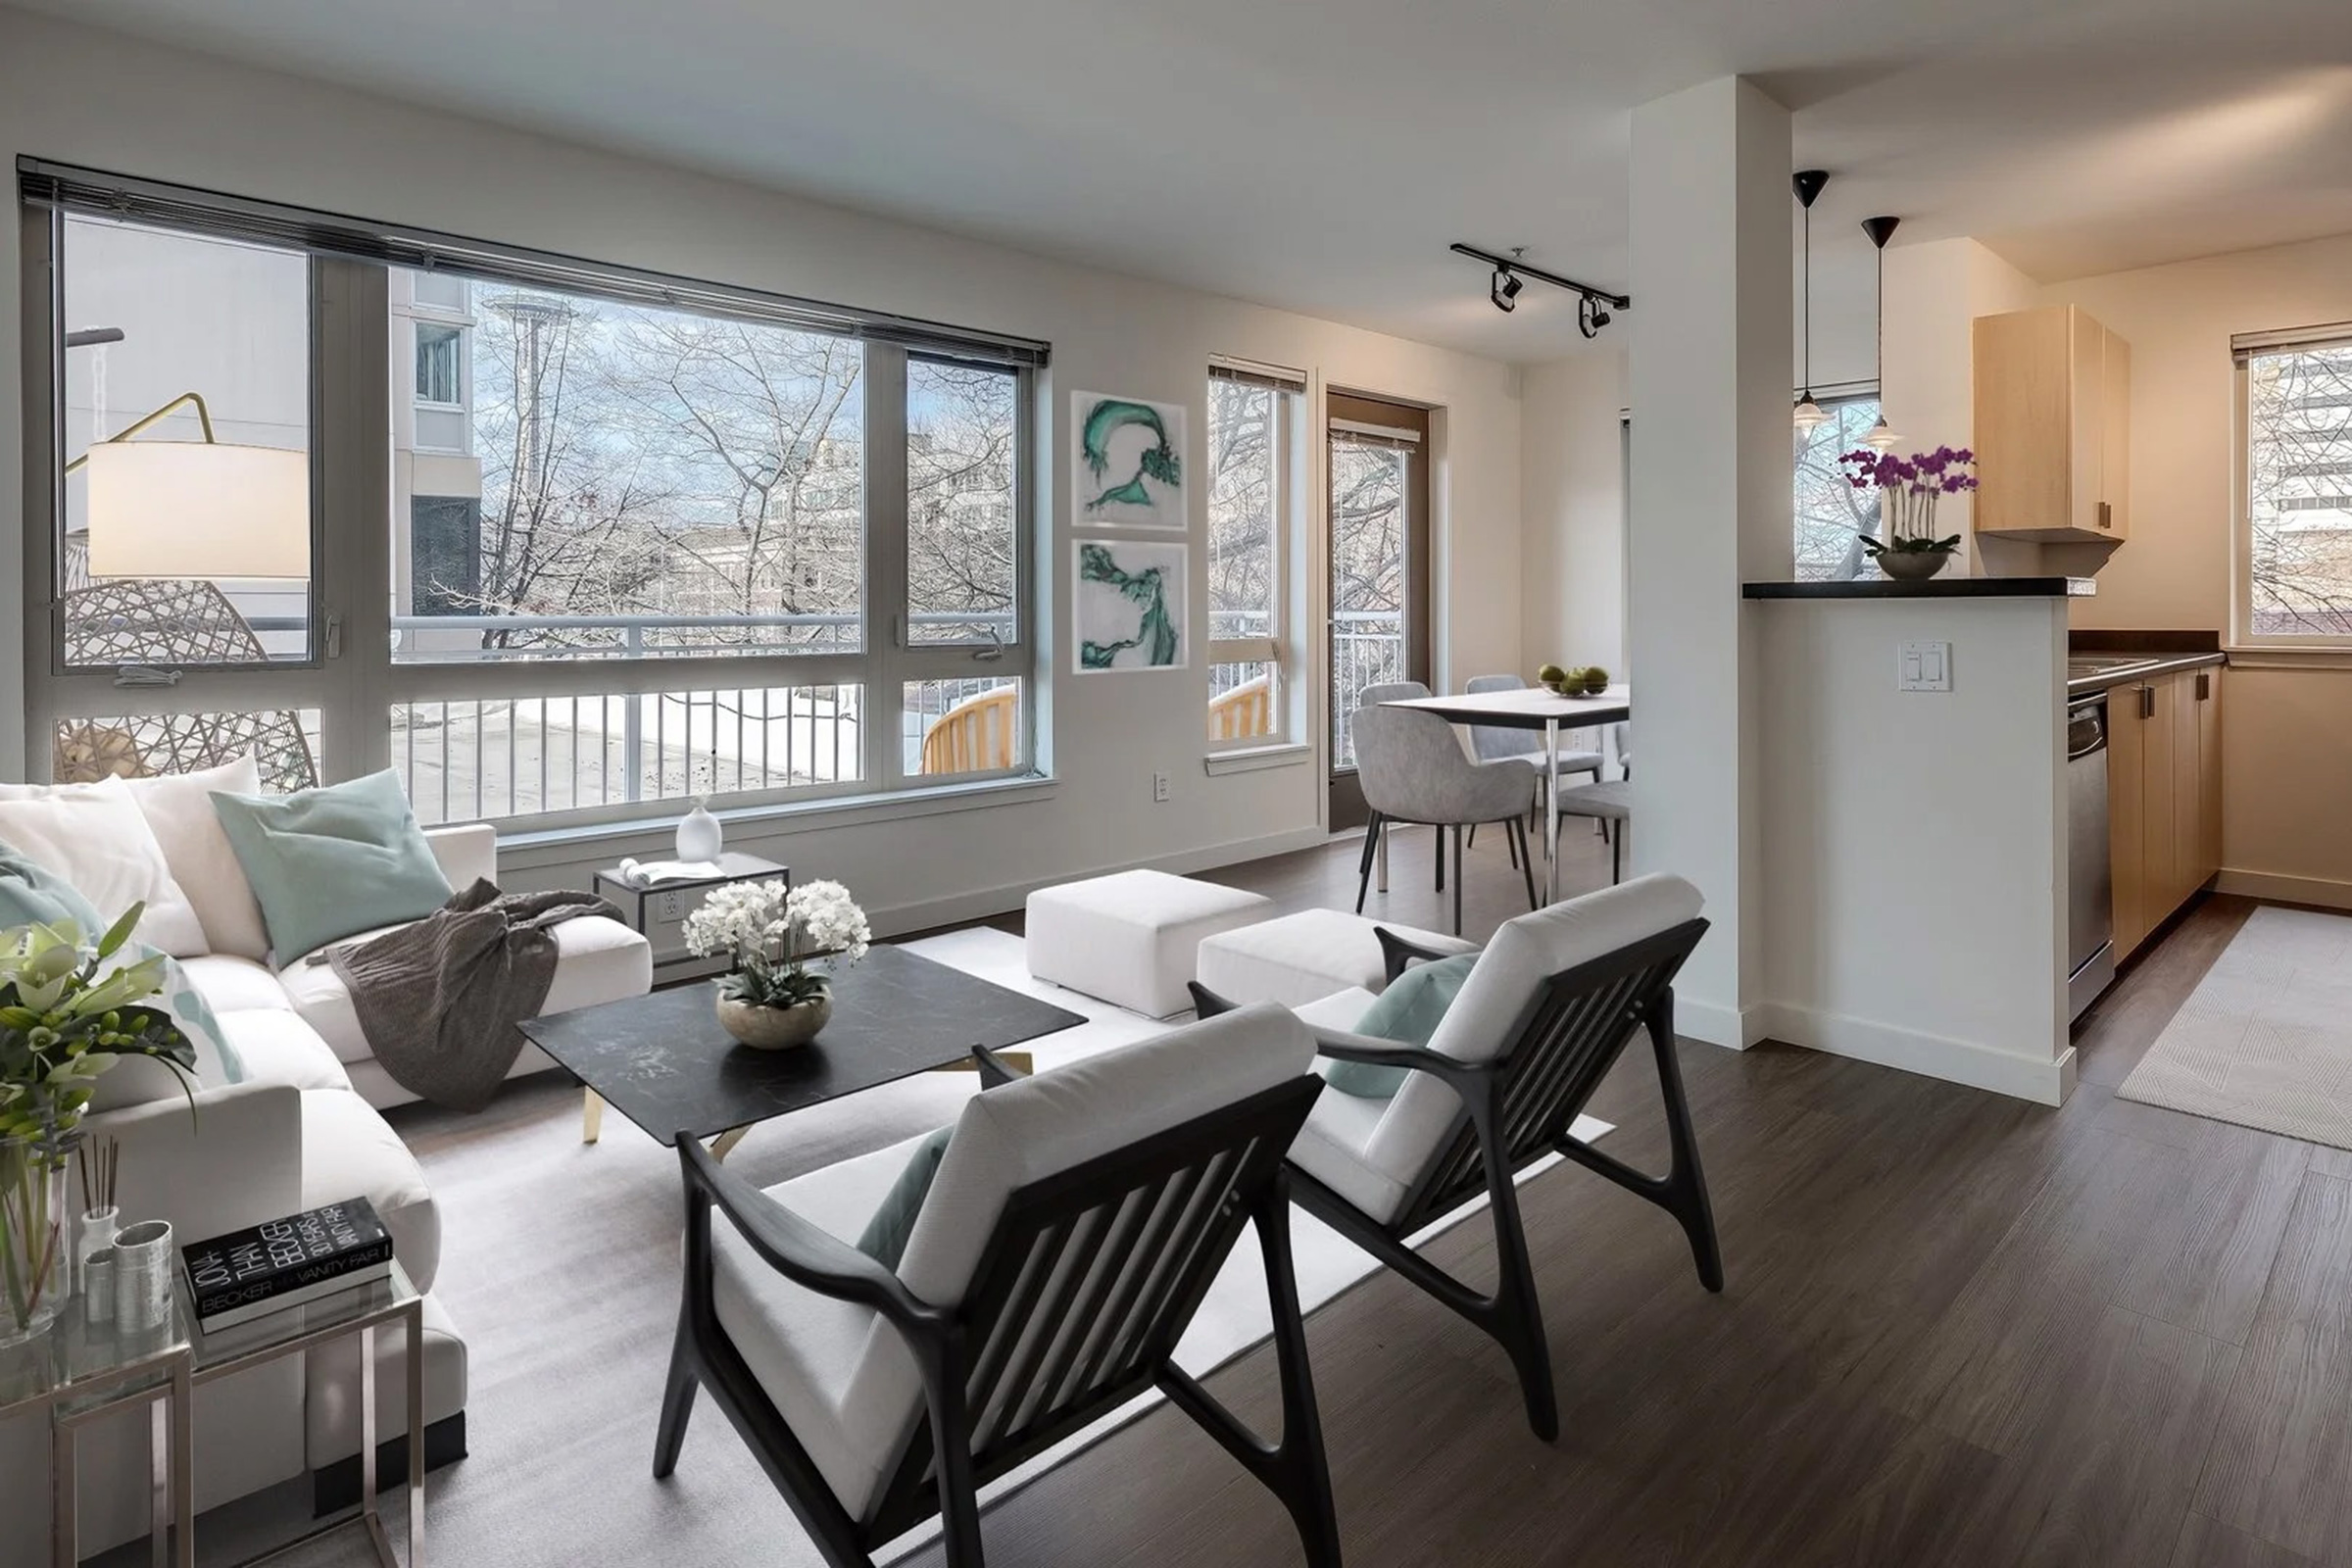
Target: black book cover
[281,1255]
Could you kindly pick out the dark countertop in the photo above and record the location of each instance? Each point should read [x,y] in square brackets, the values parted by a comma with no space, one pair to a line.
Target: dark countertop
[1949,587]
[2150,663]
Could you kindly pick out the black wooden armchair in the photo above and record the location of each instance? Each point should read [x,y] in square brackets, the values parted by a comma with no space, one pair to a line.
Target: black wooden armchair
[1064,1248]
[1551,1006]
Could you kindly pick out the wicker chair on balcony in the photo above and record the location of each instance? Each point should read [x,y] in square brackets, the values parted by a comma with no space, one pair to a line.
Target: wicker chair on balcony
[170,624]
[979,735]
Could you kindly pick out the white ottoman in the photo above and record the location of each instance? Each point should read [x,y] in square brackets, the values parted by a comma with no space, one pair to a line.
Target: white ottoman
[1305,958]
[1132,938]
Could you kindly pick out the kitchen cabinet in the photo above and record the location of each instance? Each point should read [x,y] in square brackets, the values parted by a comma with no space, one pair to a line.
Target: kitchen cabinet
[2164,796]
[2053,427]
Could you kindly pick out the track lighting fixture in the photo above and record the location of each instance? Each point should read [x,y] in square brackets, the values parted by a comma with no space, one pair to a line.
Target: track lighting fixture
[1592,306]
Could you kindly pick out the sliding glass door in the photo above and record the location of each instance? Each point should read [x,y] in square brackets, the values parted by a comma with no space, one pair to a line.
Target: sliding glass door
[1377,567]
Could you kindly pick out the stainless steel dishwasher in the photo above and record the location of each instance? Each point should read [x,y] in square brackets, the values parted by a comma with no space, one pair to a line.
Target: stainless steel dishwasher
[2090,881]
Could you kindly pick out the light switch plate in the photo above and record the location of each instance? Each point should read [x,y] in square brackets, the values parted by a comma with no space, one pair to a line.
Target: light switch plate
[1923,667]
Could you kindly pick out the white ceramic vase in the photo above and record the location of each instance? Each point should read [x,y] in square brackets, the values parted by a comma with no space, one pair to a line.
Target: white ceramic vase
[699,836]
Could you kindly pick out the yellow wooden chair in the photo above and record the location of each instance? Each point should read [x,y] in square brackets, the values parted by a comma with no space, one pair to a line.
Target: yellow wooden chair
[1244,711]
[977,735]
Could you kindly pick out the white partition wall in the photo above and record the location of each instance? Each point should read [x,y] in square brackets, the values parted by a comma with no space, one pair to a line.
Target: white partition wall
[1711,324]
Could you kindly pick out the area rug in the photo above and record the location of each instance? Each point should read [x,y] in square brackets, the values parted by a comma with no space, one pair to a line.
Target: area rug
[559,1265]
[2266,1039]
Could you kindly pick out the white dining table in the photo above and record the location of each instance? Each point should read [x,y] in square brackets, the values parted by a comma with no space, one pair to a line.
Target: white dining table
[1534,708]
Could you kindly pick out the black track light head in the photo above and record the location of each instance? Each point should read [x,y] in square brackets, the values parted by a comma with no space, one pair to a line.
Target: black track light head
[1504,291]
[1590,317]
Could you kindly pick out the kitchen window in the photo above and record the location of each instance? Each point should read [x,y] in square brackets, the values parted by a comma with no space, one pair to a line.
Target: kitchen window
[1832,515]
[2295,502]
[682,539]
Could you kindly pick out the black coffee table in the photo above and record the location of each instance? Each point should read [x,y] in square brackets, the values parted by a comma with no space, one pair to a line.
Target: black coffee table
[663,1061]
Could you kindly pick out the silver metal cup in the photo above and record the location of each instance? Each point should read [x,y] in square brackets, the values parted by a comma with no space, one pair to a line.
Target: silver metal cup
[142,1276]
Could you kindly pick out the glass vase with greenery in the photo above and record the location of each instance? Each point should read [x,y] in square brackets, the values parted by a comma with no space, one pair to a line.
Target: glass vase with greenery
[68,1013]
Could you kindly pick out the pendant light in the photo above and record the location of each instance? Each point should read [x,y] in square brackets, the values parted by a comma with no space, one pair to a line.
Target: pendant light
[1808,183]
[1881,437]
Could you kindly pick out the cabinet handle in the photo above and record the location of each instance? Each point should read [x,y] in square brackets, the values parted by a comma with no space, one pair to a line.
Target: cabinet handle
[2147,702]
[2204,684]
[2107,515]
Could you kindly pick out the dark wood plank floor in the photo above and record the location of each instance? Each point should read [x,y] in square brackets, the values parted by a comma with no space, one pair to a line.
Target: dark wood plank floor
[1958,1330]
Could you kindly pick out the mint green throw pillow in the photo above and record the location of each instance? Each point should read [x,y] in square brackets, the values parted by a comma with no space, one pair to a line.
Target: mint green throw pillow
[1407,1013]
[30,894]
[884,1238]
[331,862]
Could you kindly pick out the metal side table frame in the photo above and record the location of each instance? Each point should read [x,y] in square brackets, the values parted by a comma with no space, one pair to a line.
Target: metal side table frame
[395,1301]
[79,1400]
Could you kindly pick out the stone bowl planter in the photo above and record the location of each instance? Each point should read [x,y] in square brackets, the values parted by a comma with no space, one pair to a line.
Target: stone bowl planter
[774,1028]
[1912,565]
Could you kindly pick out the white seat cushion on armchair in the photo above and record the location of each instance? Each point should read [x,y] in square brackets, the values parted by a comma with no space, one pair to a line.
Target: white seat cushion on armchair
[841,1376]
[1374,1161]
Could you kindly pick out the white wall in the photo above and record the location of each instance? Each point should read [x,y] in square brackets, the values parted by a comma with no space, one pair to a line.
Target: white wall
[1710,488]
[1572,482]
[113,103]
[1914,865]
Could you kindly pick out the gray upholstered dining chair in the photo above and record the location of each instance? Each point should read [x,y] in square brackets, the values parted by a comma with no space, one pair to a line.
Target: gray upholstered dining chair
[1391,691]
[1491,743]
[1412,770]
[1610,803]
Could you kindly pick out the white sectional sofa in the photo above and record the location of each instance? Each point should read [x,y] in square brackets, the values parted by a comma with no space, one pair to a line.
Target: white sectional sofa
[302,1128]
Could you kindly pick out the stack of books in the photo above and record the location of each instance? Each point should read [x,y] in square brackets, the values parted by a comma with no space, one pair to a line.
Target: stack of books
[283,1263]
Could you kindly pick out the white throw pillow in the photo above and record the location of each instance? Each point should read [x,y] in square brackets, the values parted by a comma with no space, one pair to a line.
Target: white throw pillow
[94,836]
[178,806]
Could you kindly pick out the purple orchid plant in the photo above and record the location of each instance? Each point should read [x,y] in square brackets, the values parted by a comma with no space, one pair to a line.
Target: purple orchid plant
[1908,489]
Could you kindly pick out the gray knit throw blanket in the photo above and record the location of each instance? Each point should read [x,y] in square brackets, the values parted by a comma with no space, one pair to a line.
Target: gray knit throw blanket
[439,1000]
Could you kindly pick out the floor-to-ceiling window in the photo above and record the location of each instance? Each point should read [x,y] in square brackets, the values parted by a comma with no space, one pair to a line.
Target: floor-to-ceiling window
[556,543]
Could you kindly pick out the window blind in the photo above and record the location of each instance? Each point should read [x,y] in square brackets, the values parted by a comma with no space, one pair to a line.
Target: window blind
[2243,346]
[95,194]
[1249,373]
[1357,433]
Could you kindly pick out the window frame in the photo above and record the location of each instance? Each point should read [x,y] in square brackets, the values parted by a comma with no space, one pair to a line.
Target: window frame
[2246,348]
[417,324]
[352,675]
[1279,647]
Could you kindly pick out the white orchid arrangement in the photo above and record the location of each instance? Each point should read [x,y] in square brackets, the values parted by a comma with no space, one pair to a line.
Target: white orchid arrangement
[769,934]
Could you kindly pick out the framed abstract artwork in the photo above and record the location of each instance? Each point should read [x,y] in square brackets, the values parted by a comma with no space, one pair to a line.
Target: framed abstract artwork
[1128,610]
[1126,463]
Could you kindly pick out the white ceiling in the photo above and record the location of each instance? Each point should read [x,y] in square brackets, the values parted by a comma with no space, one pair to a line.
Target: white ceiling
[1319,155]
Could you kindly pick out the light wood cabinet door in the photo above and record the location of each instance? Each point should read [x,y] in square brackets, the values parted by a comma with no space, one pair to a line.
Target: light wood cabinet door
[2087,429]
[2024,412]
[2160,882]
[2112,516]
[2188,786]
[2126,804]
[2208,770]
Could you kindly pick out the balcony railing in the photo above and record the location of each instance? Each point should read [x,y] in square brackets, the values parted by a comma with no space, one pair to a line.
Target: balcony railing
[1367,648]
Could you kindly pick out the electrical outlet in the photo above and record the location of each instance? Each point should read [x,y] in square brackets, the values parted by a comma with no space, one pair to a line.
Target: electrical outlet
[674,905]
[1159,788]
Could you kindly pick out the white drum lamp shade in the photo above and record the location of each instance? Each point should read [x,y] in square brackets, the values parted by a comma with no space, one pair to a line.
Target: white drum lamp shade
[189,509]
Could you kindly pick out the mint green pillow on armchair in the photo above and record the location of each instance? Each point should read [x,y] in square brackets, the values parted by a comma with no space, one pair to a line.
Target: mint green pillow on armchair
[331,862]
[1407,1013]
